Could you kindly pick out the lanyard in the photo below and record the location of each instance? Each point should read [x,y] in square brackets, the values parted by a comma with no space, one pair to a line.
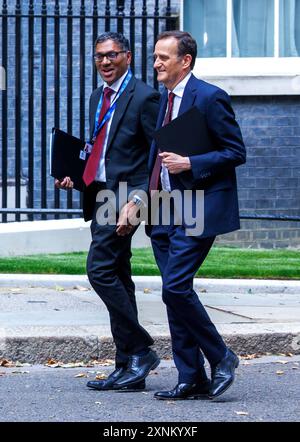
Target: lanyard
[107,116]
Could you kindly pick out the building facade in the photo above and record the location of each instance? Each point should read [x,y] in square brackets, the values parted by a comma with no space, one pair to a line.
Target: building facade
[250,48]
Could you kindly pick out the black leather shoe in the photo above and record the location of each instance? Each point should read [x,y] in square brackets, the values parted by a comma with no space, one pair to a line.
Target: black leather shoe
[185,391]
[137,386]
[138,369]
[107,384]
[222,375]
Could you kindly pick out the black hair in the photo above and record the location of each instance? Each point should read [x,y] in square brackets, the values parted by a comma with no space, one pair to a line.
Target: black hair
[117,37]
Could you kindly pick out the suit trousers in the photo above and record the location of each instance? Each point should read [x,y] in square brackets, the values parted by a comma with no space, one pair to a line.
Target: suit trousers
[178,257]
[109,272]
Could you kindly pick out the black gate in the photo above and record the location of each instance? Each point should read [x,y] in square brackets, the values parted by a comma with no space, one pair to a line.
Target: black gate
[46,56]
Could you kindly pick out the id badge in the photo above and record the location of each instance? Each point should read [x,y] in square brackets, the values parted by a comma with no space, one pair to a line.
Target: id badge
[82,155]
[86,150]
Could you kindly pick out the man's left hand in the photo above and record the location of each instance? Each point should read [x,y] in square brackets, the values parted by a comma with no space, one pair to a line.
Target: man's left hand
[128,212]
[175,163]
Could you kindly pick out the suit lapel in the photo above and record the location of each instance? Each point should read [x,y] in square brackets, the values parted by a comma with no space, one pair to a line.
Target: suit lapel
[121,106]
[189,95]
[162,110]
[93,109]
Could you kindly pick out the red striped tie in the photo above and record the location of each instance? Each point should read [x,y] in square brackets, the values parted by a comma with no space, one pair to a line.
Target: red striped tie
[157,165]
[92,164]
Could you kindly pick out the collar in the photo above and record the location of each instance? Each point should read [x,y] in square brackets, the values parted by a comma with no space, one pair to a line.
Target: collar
[116,85]
[179,88]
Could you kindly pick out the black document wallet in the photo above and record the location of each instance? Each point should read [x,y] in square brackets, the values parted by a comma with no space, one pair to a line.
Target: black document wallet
[186,135]
[65,157]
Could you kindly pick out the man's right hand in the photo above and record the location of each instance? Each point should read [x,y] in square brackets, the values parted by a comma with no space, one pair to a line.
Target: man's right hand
[65,183]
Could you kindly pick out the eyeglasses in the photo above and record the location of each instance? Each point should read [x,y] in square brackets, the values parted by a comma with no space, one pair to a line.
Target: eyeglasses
[110,55]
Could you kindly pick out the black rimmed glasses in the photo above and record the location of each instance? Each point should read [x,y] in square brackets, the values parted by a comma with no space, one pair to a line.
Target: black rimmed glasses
[112,55]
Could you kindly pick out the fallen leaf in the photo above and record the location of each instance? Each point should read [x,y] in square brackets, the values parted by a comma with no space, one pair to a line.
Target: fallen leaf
[59,288]
[100,376]
[252,356]
[54,364]
[242,413]
[92,363]
[106,362]
[51,362]
[81,288]
[6,363]
[290,355]
[25,364]
[147,291]
[279,372]
[80,375]
[73,365]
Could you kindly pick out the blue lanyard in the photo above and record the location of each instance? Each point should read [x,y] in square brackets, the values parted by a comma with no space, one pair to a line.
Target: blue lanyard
[107,116]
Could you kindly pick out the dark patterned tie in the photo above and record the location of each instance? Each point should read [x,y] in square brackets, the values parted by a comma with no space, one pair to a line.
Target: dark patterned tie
[92,164]
[153,185]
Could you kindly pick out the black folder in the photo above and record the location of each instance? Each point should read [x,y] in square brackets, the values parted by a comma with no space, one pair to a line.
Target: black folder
[65,157]
[186,135]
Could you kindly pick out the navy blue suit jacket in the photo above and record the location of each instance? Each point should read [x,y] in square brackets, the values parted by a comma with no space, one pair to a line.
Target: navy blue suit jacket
[214,172]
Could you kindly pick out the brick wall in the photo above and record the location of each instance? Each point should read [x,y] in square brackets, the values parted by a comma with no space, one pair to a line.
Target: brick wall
[269,183]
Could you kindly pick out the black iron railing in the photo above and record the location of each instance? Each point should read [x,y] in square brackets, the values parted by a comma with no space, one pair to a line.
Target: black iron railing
[49,80]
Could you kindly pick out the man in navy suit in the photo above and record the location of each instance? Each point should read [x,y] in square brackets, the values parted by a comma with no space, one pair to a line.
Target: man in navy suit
[179,254]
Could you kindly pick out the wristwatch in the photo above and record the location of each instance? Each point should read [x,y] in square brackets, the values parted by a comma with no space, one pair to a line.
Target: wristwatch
[138,201]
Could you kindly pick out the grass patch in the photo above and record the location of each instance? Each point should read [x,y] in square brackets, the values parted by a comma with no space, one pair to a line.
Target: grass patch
[222,262]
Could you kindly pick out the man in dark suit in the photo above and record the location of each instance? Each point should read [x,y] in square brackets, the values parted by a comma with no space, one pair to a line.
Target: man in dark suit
[179,254]
[123,114]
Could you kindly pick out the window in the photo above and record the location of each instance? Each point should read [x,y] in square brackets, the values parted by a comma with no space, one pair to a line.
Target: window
[244,28]
[206,20]
[246,38]
[289,28]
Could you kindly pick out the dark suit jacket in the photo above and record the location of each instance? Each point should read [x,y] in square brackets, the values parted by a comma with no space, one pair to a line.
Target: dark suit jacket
[214,172]
[129,139]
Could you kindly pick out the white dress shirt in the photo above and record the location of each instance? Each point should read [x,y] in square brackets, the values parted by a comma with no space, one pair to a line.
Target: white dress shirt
[178,91]
[101,174]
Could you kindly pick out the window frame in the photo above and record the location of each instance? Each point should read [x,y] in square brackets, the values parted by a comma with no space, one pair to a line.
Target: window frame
[268,75]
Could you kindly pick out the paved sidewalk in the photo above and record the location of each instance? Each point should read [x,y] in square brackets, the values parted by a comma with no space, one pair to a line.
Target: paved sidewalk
[43,316]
